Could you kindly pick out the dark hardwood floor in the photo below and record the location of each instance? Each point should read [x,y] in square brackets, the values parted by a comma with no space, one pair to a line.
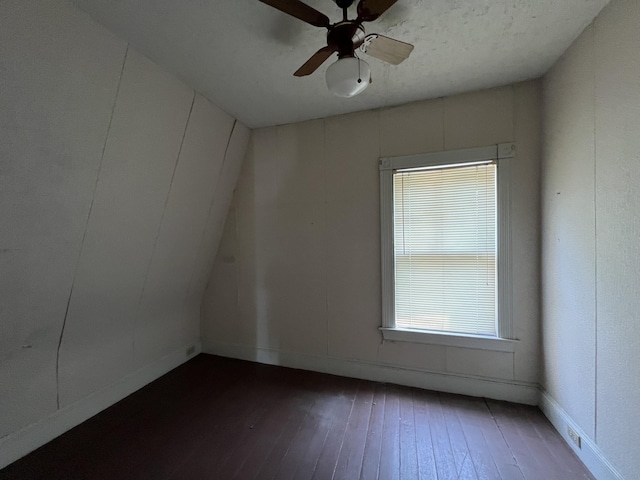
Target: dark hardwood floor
[216,418]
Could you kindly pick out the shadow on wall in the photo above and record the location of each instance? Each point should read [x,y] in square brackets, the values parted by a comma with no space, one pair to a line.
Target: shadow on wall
[267,292]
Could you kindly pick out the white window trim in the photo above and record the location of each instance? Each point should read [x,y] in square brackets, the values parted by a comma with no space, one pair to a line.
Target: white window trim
[503,154]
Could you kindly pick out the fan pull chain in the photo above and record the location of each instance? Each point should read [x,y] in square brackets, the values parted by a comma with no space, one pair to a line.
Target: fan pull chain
[359,76]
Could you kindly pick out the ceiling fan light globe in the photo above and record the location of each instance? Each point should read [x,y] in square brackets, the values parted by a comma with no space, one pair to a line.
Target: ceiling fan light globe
[348,76]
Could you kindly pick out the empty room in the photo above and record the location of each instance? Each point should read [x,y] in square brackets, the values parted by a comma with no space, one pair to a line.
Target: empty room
[330,239]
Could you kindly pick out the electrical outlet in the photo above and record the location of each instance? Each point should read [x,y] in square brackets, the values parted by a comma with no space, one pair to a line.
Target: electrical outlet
[191,350]
[574,436]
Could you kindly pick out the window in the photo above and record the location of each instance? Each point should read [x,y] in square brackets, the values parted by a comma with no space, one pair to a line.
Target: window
[444,242]
[445,246]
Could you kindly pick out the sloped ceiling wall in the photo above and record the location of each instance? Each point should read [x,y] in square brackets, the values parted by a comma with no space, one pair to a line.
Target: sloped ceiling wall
[115,179]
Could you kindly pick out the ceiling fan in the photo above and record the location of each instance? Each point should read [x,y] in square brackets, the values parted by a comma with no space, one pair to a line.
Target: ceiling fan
[349,75]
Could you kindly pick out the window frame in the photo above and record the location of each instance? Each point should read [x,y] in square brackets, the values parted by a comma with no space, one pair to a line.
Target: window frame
[503,155]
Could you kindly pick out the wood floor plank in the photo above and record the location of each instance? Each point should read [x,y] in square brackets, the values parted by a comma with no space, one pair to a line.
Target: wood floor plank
[269,434]
[424,445]
[229,419]
[461,453]
[475,419]
[304,396]
[480,452]
[349,462]
[266,423]
[373,439]
[302,457]
[269,467]
[500,451]
[330,389]
[408,445]
[328,458]
[390,447]
[443,452]
[531,466]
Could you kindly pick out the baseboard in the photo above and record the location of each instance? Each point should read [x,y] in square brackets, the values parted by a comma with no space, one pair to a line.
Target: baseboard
[443,382]
[18,444]
[589,452]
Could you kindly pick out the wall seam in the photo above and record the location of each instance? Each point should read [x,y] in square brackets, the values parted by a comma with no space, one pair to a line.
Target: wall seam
[326,231]
[379,119]
[540,223]
[213,201]
[444,125]
[595,238]
[86,226]
[164,211]
[236,263]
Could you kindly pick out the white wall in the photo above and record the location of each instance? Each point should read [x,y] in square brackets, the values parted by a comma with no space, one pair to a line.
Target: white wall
[115,179]
[297,278]
[591,223]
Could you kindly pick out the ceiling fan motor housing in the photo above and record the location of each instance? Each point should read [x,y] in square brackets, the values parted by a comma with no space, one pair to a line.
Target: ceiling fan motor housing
[345,37]
[344,3]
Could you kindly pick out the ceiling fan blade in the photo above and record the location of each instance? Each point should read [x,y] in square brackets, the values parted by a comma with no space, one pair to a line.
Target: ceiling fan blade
[387,49]
[315,61]
[369,10]
[300,10]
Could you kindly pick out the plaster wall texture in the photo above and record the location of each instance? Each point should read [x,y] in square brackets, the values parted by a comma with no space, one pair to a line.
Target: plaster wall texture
[591,221]
[115,179]
[298,270]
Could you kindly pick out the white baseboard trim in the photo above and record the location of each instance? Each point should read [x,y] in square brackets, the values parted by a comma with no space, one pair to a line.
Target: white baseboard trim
[18,444]
[443,382]
[590,453]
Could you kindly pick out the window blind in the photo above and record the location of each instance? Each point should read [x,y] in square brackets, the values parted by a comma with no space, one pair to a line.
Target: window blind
[445,248]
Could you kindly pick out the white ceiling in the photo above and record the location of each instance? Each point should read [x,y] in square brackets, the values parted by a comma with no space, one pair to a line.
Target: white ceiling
[241,54]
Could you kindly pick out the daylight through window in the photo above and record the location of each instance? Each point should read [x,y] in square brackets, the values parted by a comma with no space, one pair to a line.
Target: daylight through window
[445,248]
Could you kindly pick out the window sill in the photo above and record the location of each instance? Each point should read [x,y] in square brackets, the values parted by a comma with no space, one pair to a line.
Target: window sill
[448,339]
